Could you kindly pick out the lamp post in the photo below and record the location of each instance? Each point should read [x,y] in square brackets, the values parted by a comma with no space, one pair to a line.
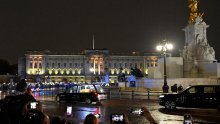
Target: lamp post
[92,72]
[38,76]
[163,47]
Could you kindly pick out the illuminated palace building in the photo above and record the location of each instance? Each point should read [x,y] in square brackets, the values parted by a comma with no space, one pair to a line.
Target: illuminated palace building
[90,65]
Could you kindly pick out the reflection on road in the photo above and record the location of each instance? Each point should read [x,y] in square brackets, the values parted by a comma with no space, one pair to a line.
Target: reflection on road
[161,115]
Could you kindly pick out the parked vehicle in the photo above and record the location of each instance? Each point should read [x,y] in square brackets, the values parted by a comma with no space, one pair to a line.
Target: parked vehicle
[198,96]
[83,93]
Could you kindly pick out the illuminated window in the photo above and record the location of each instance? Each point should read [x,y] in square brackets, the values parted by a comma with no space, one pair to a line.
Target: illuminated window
[87,89]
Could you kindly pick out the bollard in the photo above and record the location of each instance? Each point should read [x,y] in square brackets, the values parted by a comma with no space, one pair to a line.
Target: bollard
[148,95]
[132,94]
[108,95]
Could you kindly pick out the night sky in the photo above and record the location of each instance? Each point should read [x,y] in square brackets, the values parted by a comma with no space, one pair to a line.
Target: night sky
[118,25]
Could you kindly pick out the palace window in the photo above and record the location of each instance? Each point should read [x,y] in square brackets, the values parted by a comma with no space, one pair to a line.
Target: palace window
[135,64]
[40,65]
[47,65]
[141,65]
[114,65]
[31,65]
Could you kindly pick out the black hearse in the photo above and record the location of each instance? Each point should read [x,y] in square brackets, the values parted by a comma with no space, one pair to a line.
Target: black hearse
[198,96]
[83,93]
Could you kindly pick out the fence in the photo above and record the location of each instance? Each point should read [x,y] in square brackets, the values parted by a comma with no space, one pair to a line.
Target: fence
[133,94]
[113,93]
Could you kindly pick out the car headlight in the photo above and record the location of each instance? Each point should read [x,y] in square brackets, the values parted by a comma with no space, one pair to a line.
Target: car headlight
[161,96]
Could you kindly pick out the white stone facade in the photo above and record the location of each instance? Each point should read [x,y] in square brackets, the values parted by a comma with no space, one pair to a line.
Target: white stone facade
[174,68]
[92,64]
[196,46]
[198,55]
[185,82]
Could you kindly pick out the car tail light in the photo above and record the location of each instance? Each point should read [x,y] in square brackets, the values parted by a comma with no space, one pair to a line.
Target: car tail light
[96,94]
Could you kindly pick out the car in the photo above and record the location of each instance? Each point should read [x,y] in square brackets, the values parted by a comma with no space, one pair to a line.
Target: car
[197,96]
[88,93]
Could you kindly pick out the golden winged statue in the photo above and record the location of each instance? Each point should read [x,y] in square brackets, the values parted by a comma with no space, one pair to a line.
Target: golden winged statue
[193,6]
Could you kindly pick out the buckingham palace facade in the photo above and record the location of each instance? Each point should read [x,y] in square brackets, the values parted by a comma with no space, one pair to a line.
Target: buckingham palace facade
[45,66]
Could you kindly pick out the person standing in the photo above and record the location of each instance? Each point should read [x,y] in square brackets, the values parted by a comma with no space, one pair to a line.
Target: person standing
[90,119]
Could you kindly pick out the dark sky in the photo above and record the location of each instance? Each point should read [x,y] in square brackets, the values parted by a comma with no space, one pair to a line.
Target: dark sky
[118,25]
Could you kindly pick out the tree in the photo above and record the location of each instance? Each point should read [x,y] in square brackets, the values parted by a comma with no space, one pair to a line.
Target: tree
[14,69]
[4,67]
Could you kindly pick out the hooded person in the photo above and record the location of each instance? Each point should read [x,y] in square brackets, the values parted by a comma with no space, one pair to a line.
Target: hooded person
[21,87]
[17,104]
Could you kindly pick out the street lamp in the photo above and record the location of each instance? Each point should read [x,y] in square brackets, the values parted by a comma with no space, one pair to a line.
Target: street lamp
[163,47]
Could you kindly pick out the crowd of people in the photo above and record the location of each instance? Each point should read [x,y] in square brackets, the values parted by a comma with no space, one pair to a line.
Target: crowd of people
[174,88]
[17,108]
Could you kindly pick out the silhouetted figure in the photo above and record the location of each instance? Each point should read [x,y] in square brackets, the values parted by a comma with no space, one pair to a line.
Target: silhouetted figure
[165,88]
[16,105]
[57,120]
[174,88]
[180,88]
[90,119]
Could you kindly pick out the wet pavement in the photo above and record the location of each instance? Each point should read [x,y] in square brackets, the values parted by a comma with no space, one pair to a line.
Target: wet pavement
[160,115]
[80,110]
